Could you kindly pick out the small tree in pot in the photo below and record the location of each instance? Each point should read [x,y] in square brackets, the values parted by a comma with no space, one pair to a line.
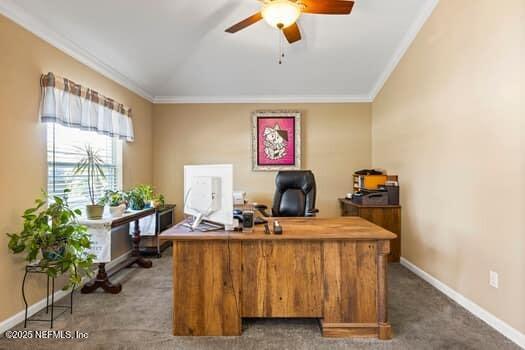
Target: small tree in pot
[54,234]
[91,165]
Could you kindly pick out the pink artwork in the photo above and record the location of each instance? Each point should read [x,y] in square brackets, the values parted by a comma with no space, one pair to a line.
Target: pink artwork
[276,141]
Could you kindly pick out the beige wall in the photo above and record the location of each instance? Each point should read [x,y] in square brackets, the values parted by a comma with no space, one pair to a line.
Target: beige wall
[448,121]
[23,59]
[335,139]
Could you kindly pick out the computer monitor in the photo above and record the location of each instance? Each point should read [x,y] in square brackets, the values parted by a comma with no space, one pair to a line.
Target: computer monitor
[208,193]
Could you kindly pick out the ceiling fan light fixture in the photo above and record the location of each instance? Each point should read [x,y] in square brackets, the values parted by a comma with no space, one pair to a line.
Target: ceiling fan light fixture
[280,13]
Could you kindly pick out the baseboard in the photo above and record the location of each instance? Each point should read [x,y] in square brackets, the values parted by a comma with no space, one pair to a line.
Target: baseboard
[496,323]
[36,307]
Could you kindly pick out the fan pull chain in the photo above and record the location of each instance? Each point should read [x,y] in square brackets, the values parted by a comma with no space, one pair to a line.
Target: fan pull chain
[281,47]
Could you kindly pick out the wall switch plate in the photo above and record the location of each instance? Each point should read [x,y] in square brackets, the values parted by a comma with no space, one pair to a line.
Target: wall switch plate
[493,279]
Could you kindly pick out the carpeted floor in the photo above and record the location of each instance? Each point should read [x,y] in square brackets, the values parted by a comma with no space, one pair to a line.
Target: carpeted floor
[140,318]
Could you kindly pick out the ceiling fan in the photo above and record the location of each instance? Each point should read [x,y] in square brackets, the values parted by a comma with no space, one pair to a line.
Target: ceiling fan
[283,14]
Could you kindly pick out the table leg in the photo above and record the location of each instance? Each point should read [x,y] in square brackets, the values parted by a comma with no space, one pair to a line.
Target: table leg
[71,300]
[385,330]
[139,260]
[47,296]
[52,301]
[101,281]
[24,297]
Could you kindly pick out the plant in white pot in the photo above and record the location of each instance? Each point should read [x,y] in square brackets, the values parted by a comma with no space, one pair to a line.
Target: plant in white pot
[116,201]
[91,166]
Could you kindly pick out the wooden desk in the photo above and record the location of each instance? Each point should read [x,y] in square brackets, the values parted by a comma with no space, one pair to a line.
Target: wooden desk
[331,269]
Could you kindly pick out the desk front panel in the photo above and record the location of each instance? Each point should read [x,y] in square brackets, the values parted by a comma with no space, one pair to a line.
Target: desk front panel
[282,279]
[342,282]
[350,282]
[206,288]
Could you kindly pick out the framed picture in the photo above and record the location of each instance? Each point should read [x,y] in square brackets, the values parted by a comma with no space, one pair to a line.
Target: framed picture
[276,140]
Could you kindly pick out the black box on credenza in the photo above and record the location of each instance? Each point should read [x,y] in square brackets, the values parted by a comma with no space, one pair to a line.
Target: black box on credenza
[393,194]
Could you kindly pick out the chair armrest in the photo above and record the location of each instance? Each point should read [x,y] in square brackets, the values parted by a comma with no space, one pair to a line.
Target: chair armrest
[311,213]
[261,208]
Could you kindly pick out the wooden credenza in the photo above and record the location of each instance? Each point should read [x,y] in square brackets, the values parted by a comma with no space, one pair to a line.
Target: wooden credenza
[331,269]
[386,216]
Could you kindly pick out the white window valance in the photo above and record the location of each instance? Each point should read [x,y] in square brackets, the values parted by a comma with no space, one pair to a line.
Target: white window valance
[72,105]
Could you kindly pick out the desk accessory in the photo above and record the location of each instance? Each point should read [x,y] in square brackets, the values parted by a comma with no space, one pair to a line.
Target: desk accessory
[248,221]
[277,228]
[239,197]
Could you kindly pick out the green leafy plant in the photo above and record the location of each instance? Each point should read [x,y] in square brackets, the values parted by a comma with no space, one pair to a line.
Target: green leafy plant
[54,234]
[92,166]
[146,192]
[114,198]
[158,200]
[141,196]
[136,199]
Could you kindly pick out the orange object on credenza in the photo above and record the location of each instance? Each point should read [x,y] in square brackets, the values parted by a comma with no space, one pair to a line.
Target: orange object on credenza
[368,182]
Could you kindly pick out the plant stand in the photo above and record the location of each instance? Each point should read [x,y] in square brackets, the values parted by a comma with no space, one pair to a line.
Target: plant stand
[35,268]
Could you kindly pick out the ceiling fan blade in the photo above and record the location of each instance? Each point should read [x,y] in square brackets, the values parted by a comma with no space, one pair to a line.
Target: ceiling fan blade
[245,23]
[328,7]
[292,33]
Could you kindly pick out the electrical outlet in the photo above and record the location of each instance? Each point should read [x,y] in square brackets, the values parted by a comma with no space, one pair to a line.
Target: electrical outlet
[493,279]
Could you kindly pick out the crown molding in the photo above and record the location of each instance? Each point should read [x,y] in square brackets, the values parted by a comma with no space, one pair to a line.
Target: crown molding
[408,38]
[18,15]
[262,99]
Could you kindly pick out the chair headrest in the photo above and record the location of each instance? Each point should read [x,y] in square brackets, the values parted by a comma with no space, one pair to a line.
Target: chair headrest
[295,179]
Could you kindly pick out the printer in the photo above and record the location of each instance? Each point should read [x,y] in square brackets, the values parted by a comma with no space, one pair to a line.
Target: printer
[370,197]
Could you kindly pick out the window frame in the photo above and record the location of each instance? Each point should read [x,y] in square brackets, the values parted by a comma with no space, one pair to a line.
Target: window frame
[117,154]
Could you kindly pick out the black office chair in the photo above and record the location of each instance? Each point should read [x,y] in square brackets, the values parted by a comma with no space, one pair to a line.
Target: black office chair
[295,192]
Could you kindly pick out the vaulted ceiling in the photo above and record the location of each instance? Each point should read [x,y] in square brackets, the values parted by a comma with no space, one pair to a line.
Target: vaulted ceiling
[177,50]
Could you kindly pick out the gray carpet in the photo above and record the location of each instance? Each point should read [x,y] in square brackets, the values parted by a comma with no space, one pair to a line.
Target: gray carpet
[140,318]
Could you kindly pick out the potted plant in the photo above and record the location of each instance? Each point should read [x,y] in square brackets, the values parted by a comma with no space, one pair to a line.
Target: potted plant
[136,199]
[54,235]
[157,201]
[147,194]
[143,196]
[91,165]
[140,197]
[116,201]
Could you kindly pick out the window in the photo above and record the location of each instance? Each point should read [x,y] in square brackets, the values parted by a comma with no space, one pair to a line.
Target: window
[64,150]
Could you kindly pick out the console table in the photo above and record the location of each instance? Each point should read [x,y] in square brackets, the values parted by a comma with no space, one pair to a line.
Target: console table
[331,269]
[102,278]
[165,219]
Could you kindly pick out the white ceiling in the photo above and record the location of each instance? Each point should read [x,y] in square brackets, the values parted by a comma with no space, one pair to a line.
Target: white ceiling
[177,50]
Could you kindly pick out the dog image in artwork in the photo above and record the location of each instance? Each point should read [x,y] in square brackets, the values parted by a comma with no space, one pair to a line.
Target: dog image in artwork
[275,142]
